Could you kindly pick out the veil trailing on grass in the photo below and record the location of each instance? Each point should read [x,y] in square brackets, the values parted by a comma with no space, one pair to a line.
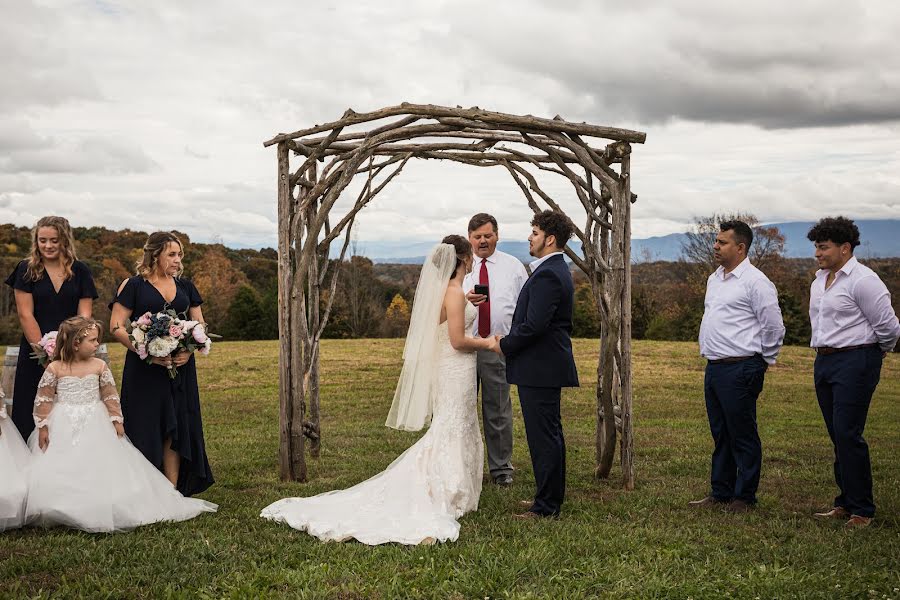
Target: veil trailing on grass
[413,400]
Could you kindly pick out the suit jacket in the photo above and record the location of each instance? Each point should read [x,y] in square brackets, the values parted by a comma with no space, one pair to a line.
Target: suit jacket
[538,349]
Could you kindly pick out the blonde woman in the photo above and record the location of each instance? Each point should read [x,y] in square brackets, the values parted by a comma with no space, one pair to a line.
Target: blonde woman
[50,286]
[162,415]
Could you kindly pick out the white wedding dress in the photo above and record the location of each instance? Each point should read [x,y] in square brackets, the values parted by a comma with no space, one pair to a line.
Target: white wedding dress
[89,478]
[420,495]
[14,461]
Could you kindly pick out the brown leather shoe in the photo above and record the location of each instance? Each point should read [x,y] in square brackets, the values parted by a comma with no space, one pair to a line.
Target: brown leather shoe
[858,522]
[738,506]
[838,512]
[527,515]
[707,502]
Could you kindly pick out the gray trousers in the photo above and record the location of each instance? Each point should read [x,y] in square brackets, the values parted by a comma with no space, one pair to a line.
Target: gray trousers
[496,411]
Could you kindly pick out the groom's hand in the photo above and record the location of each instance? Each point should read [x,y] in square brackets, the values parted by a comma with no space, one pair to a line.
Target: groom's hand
[475,299]
[498,349]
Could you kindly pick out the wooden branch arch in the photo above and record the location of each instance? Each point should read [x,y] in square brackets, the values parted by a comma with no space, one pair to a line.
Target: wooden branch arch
[331,158]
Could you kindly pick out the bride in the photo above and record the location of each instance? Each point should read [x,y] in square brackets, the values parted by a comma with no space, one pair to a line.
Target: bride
[420,496]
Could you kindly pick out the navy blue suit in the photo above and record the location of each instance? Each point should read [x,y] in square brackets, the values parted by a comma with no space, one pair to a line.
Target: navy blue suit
[539,361]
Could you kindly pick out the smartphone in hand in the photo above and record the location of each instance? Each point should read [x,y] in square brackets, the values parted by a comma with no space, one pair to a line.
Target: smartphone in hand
[482,289]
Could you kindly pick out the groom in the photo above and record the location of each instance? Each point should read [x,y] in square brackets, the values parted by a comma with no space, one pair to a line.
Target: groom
[539,359]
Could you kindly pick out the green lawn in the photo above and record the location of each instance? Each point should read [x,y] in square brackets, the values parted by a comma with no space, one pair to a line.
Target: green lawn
[609,543]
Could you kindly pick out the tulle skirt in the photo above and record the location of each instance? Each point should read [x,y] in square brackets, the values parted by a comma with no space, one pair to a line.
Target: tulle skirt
[14,460]
[93,480]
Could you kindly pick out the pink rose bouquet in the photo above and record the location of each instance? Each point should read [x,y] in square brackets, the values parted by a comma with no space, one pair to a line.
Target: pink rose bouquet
[45,349]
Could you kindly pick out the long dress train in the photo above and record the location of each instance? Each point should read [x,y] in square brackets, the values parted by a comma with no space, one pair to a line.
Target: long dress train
[420,495]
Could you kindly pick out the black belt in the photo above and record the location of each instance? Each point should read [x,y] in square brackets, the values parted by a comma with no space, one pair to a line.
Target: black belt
[825,350]
[730,359]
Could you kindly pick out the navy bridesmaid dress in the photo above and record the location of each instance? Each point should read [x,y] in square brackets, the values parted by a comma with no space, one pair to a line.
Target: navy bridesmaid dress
[157,407]
[50,309]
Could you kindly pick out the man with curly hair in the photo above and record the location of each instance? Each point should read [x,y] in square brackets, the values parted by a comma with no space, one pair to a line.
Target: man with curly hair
[853,327]
[539,357]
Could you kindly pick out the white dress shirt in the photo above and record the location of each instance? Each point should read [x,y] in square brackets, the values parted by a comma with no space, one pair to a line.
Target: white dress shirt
[855,310]
[506,276]
[741,316]
[536,263]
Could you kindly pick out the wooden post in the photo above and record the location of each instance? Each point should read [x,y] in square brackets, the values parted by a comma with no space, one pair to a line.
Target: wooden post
[311,361]
[625,374]
[612,347]
[288,468]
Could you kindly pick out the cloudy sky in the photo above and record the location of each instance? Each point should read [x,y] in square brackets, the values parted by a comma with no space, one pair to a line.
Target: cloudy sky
[151,115]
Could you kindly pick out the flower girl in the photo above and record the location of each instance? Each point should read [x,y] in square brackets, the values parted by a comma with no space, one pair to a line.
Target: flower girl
[13,462]
[84,473]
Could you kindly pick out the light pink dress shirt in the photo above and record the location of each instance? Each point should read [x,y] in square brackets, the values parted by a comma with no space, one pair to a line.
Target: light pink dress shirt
[854,311]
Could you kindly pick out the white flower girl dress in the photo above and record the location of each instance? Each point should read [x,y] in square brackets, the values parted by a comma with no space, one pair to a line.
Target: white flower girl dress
[14,461]
[89,478]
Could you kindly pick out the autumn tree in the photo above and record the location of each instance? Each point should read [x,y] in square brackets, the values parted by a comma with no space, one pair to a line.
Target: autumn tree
[217,280]
[765,253]
[396,317]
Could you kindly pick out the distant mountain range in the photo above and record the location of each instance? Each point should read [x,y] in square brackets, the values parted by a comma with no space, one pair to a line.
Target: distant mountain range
[880,238]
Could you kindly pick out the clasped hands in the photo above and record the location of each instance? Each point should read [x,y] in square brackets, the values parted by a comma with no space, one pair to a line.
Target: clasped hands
[494,344]
[178,360]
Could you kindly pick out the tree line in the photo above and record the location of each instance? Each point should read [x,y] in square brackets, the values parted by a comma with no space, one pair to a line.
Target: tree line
[240,286]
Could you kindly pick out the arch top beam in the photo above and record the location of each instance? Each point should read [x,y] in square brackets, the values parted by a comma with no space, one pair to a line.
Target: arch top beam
[497,119]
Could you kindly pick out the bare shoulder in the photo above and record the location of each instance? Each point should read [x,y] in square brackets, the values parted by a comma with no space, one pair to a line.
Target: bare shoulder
[98,365]
[454,295]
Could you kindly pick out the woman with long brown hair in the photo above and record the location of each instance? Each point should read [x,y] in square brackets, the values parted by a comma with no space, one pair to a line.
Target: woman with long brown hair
[50,286]
[162,414]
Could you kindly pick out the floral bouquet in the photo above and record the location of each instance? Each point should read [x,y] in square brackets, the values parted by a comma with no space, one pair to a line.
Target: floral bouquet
[165,334]
[45,349]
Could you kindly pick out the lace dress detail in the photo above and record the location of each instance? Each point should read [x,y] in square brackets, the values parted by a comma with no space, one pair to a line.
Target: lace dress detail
[420,495]
[76,397]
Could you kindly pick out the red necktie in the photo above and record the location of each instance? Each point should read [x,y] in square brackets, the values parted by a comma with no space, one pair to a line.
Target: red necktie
[484,309]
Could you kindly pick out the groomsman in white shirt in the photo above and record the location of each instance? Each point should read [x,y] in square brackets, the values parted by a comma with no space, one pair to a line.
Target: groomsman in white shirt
[853,327]
[503,276]
[740,336]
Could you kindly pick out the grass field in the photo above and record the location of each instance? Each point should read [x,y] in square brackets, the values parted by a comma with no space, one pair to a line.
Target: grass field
[609,543]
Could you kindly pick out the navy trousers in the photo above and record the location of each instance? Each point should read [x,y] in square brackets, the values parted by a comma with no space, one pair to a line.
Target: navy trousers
[731,390]
[845,382]
[543,430]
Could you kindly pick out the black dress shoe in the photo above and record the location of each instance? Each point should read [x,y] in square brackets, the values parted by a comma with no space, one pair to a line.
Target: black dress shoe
[504,480]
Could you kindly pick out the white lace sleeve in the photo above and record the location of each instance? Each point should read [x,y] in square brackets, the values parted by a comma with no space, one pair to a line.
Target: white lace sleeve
[46,396]
[47,379]
[110,397]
